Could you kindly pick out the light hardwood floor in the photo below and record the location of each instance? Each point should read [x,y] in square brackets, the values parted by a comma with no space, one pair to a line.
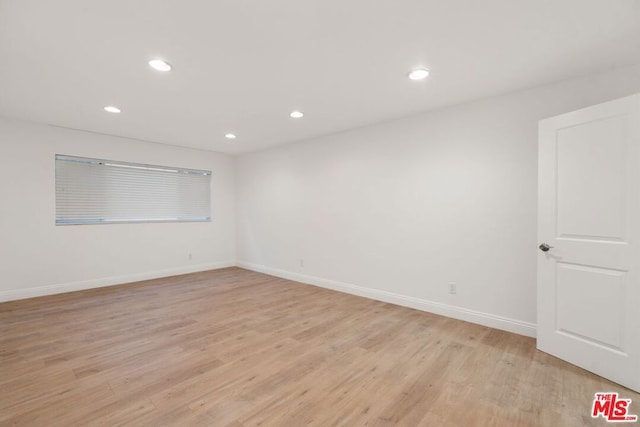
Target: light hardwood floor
[238,348]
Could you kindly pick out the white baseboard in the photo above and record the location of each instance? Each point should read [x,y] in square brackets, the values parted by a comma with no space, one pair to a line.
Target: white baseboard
[481,318]
[16,294]
[473,316]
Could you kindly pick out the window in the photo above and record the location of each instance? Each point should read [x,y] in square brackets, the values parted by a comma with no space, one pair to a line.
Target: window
[92,191]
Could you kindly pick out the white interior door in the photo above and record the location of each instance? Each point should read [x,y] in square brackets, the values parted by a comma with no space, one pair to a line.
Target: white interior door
[589,214]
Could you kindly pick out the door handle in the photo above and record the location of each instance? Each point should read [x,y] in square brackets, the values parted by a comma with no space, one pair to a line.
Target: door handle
[545,247]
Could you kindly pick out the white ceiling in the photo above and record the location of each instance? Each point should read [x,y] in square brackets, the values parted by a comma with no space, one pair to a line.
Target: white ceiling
[241,66]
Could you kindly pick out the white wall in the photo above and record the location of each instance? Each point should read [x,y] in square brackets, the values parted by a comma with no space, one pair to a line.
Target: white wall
[398,210]
[38,258]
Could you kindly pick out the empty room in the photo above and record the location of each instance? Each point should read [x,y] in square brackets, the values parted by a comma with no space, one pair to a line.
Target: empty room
[320,212]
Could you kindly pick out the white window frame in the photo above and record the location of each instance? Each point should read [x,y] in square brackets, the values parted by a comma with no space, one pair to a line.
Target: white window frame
[97,191]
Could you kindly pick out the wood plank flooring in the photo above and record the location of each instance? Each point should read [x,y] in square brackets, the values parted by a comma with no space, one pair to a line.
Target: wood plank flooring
[236,348]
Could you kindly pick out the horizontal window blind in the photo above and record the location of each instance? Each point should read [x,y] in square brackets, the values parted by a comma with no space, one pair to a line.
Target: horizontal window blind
[93,191]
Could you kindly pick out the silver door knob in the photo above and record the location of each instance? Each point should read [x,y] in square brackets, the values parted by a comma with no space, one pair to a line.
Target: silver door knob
[544,247]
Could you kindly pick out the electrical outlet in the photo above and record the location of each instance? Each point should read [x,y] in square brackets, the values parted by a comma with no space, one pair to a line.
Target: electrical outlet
[190,256]
[452,288]
[301,263]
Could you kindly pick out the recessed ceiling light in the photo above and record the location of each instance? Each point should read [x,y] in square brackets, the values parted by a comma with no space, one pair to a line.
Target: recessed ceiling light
[296,114]
[111,109]
[419,74]
[230,136]
[160,65]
